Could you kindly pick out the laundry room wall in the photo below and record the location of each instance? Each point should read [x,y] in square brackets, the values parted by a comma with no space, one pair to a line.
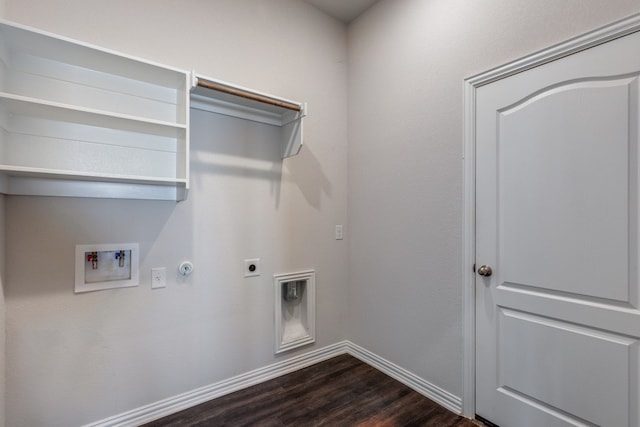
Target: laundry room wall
[2,315]
[77,358]
[407,63]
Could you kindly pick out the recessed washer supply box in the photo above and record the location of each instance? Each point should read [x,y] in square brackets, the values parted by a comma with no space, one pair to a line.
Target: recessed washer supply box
[106,266]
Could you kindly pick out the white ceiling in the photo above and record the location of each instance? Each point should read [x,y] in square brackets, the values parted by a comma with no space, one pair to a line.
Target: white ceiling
[344,10]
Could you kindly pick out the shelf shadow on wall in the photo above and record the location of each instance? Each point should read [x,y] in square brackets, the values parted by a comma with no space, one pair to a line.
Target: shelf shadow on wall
[306,171]
[228,146]
[201,167]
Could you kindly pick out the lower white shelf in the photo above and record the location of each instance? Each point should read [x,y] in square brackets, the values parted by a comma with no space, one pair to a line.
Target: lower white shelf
[15,180]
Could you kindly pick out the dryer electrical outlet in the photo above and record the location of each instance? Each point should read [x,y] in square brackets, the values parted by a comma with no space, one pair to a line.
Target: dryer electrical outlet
[251,267]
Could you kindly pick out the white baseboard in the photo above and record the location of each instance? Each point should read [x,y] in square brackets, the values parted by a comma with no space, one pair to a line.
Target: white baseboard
[189,399]
[433,392]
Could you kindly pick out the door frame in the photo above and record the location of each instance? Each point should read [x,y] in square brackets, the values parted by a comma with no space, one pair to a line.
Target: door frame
[470,86]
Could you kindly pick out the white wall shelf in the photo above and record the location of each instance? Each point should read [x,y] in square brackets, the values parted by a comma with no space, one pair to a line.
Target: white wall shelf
[232,100]
[77,120]
[81,121]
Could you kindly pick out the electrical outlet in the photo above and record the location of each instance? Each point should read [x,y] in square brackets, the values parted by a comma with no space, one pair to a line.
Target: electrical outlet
[339,233]
[251,267]
[158,277]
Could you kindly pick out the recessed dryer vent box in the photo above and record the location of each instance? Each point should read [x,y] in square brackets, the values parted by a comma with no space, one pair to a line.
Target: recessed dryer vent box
[295,303]
[106,266]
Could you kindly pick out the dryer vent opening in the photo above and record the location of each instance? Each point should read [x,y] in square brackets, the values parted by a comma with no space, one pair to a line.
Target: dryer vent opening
[294,310]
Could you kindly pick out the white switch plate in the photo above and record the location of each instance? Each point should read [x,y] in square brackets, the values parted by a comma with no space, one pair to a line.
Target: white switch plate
[158,277]
[339,234]
[251,267]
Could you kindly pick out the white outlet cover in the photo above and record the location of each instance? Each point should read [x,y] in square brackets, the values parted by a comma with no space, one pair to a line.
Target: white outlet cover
[158,277]
[251,267]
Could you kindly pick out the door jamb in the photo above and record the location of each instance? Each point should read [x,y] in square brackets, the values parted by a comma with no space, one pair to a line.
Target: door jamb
[470,86]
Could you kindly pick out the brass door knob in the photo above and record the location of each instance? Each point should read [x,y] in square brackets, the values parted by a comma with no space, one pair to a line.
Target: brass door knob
[485,271]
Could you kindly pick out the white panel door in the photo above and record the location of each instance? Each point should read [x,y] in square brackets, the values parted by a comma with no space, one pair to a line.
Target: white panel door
[557,321]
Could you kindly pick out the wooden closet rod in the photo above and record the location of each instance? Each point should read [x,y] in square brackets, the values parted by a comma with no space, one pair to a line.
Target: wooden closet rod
[249,95]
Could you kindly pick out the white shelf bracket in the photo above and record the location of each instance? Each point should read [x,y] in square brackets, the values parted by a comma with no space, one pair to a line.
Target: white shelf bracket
[291,133]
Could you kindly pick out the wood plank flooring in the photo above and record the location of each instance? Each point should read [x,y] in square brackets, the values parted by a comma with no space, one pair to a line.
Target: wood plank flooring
[341,391]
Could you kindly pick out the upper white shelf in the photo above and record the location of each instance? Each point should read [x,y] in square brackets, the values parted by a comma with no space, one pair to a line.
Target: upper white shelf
[228,99]
[78,120]
[45,66]
[17,105]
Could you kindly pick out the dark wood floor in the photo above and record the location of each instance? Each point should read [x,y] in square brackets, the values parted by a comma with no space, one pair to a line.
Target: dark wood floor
[341,391]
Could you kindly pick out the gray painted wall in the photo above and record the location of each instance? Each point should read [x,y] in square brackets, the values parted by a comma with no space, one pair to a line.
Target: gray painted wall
[2,303]
[2,315]
[407,62]
[73,359]
[397,289]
